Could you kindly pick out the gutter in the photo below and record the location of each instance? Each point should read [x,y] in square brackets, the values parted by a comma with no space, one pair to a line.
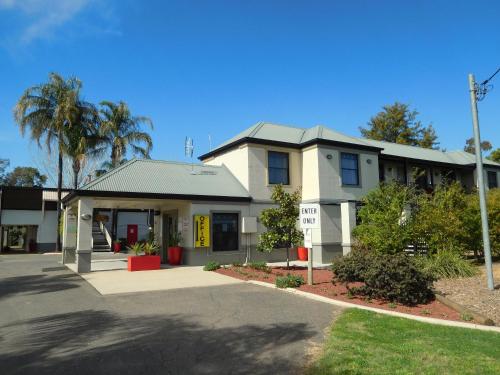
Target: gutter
[122,194]
[298,146]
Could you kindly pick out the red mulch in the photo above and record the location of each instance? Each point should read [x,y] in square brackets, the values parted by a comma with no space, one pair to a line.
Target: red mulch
[323,286]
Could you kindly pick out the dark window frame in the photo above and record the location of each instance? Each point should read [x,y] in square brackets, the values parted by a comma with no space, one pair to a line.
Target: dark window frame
[357,169]
[269,153]
[491,185]
[212,231]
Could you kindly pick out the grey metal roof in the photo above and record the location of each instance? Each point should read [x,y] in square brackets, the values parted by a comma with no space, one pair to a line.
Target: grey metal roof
[427,154]
[288,136]
[327,134]
[295,136]
[169,178]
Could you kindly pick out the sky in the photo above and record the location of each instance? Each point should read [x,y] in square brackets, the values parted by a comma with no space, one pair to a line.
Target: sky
[214,68]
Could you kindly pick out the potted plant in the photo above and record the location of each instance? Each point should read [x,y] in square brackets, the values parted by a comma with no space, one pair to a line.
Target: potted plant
[148,261]
[302,251]
[174,252]
[117,246]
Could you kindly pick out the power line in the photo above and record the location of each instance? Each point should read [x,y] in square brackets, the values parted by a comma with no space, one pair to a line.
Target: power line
[483,87]
[489,79]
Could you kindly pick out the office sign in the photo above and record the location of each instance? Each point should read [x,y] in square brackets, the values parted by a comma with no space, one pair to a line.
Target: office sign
[201,231]
[309,216]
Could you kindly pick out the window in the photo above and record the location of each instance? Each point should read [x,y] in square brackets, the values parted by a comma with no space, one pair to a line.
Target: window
[492,179]
[277,165]
[225,232]
[381,172]
[350,169]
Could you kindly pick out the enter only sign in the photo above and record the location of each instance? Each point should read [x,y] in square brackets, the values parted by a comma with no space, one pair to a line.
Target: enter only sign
[309,216]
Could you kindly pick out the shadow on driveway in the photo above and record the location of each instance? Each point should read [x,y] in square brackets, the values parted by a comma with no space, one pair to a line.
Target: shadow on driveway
[101,342]
[38,284]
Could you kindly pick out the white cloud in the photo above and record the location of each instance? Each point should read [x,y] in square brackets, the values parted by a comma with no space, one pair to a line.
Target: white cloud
[44,17]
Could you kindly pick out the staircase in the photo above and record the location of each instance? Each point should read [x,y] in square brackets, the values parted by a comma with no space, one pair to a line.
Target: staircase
[99,239]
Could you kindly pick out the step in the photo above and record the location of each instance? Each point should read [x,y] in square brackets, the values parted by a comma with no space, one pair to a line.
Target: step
[101,248]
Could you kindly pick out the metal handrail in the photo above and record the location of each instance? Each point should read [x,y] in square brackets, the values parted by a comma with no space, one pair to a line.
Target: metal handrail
[104,230]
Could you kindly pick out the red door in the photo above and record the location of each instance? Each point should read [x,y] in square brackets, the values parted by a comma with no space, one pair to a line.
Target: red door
[131,234]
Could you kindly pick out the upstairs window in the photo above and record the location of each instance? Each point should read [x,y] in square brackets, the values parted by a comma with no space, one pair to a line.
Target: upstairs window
[349,164]
[492,180]
[277,166]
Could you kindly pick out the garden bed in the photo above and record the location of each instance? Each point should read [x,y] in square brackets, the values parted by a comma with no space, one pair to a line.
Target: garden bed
[323,286]
[472,293]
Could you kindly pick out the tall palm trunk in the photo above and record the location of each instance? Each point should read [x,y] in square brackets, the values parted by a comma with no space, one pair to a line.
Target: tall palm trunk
[76,171]
[59,191]
[115,157]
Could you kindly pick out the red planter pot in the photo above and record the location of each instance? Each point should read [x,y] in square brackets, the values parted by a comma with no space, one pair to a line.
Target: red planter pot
[174,254]
[117,247]
[144,262]
[302,253]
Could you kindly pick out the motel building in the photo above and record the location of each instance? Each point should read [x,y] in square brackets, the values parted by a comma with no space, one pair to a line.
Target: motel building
[215,205]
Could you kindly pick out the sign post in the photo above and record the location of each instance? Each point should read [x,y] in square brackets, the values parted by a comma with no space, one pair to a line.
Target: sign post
[309,220]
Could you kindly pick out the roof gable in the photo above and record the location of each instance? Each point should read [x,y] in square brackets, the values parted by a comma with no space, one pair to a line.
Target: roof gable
[144,176]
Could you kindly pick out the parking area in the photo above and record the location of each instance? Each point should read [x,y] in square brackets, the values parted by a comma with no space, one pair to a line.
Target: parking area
[54,322]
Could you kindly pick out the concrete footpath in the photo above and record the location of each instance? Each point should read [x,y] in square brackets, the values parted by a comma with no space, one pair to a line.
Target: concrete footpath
[123,281]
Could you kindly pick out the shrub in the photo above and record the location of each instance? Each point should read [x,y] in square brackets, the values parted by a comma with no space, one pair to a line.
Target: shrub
[151,248]
[446,264]
[289,281]
[260,266]
[136,248]
[237,264]
[494,219]
[396,278]
[352,267]
[211,266]
[443,220]
[391,277]
[384,228]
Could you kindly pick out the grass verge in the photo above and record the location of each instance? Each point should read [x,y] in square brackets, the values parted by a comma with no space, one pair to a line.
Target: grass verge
[363,342]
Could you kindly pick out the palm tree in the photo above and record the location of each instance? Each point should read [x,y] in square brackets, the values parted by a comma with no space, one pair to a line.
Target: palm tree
[82,138]
[120,131]
[46,110]
[106,166]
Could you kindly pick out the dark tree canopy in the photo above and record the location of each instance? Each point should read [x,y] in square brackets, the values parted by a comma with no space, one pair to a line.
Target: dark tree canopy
[397,123]
[469,146]
[26,177]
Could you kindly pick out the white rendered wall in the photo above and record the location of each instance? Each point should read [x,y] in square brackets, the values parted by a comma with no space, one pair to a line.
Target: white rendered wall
[236,160]
[47,224]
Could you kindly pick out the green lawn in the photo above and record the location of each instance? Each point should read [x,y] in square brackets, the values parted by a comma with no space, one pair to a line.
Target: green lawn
[362,342]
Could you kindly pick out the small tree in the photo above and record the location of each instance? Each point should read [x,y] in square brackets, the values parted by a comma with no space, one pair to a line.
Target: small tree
[281,222]
[494,155]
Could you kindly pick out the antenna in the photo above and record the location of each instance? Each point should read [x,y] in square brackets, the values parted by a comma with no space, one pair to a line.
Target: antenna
[209,142]
[188,150]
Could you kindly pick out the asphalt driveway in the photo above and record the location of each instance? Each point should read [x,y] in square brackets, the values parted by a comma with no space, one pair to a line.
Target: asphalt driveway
[53,322]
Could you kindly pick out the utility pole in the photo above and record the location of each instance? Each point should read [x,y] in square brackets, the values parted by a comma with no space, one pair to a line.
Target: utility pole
[473,87]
